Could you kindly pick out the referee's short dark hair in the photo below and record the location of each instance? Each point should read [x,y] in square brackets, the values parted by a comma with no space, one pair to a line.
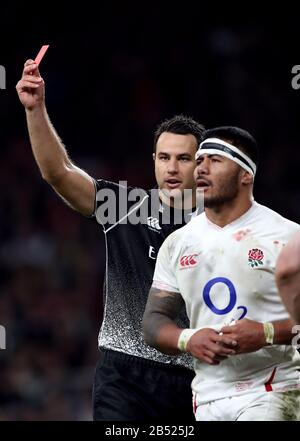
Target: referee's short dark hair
[181,125]
[238,137]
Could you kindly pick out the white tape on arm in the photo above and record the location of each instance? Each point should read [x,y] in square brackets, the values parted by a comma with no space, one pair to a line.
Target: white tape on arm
[186,334]
[184,338]
[269,332]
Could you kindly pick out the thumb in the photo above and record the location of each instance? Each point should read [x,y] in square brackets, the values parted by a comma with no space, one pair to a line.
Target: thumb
[226,329]
[31,68]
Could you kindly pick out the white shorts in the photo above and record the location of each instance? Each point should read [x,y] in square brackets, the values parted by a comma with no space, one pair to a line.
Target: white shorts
[256,406]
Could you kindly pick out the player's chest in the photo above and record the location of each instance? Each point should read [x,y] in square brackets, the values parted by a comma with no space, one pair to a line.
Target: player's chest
[224,255]
[226,276]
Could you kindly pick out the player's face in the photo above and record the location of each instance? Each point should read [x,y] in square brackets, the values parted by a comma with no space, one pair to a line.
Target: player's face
[218,178]
[175,162]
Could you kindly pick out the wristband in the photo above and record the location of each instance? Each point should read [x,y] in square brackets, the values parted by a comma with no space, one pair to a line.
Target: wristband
[269,332]
[184,337]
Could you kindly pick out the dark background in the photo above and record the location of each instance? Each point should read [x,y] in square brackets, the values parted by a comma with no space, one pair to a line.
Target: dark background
[112,74]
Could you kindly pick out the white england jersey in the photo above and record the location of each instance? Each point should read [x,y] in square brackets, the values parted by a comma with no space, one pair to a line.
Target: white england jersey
[228,273]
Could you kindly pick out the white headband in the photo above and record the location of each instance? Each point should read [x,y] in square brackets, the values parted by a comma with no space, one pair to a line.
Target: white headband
[216,146]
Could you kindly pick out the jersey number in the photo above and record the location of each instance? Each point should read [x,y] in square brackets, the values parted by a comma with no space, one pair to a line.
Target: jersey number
[232,297]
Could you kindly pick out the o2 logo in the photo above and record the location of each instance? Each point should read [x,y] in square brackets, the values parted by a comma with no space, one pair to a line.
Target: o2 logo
[232,297]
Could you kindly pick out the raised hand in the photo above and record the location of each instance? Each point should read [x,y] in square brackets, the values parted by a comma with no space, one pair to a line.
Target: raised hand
[31,87]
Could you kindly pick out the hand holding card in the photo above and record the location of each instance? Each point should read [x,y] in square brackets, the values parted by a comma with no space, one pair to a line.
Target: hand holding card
[30,88]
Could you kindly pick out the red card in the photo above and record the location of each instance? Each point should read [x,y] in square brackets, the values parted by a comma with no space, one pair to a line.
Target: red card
[41,53]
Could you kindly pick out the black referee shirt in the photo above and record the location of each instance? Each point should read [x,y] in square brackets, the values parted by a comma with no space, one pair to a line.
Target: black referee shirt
[135,224]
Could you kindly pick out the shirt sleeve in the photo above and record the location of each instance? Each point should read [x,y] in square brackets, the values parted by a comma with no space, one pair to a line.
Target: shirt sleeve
[164,275]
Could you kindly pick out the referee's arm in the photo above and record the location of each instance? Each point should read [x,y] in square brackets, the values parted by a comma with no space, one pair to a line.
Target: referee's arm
[74,185]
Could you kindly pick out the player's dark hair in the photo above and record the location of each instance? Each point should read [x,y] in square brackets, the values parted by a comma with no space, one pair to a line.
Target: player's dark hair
[238,137]
[181,125]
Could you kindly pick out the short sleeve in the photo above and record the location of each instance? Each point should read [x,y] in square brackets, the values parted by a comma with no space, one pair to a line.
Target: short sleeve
[164,275]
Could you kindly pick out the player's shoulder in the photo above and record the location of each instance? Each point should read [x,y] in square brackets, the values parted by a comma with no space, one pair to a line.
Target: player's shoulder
[180,235]
[275,221]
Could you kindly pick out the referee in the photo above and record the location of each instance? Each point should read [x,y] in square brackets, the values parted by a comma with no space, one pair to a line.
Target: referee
[133,382]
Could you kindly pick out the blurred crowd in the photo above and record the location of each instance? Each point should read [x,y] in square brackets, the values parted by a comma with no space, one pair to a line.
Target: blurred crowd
[52,260]
[50,301]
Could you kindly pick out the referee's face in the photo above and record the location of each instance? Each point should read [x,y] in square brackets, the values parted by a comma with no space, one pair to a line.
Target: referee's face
[175,162]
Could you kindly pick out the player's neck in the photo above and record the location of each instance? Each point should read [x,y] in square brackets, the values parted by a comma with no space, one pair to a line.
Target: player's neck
[229,212]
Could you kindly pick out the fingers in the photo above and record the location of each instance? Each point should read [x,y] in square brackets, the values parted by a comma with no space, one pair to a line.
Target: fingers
[213,353]
[32,79]
[221,350]
[27,84]
[209,361]
[27,62]
[211,358]
[227,340]
[29,81]
[30,67]
[228,329]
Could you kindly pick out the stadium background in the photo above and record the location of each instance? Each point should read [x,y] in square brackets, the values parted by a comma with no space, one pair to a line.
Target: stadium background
[112,74]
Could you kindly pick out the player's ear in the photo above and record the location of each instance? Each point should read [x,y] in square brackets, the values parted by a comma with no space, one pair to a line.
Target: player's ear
[153,156]
[247,178]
